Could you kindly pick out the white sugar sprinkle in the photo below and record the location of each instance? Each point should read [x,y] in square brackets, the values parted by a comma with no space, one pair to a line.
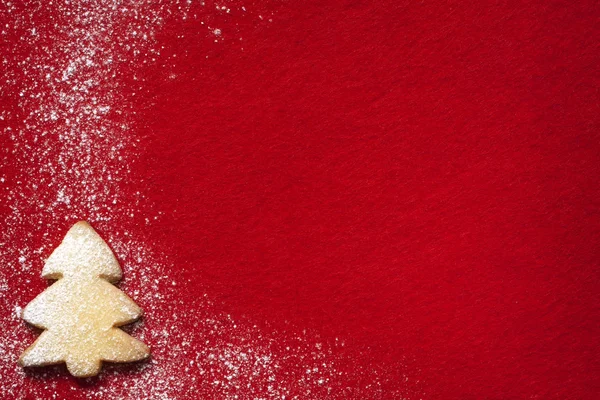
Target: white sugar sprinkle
[72,142]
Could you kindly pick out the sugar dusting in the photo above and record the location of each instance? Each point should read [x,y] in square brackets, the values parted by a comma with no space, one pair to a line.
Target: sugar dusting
[72,72]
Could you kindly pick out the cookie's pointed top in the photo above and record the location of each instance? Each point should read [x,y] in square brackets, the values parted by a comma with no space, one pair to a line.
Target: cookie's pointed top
[82,252]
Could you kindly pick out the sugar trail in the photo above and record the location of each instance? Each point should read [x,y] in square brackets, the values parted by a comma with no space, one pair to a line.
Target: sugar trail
[68,125]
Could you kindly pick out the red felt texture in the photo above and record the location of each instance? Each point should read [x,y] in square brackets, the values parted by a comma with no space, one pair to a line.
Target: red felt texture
[419,179]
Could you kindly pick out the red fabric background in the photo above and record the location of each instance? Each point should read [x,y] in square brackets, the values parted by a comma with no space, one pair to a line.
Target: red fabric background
[420,178]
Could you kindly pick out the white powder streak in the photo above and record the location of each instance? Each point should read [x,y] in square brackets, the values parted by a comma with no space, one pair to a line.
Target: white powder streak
[72,142]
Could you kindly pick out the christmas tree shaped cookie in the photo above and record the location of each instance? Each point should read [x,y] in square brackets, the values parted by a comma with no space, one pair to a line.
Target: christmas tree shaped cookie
[81,312]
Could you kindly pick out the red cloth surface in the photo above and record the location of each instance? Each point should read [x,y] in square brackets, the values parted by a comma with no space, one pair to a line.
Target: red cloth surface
[417,178]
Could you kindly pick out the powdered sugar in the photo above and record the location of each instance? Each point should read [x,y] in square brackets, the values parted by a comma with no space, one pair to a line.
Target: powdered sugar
[73,130]
[72,142]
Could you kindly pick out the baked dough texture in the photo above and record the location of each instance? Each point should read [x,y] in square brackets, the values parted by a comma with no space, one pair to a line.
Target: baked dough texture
[81,312]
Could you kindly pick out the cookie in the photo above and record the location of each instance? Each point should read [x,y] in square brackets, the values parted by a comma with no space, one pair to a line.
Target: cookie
[82,311]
